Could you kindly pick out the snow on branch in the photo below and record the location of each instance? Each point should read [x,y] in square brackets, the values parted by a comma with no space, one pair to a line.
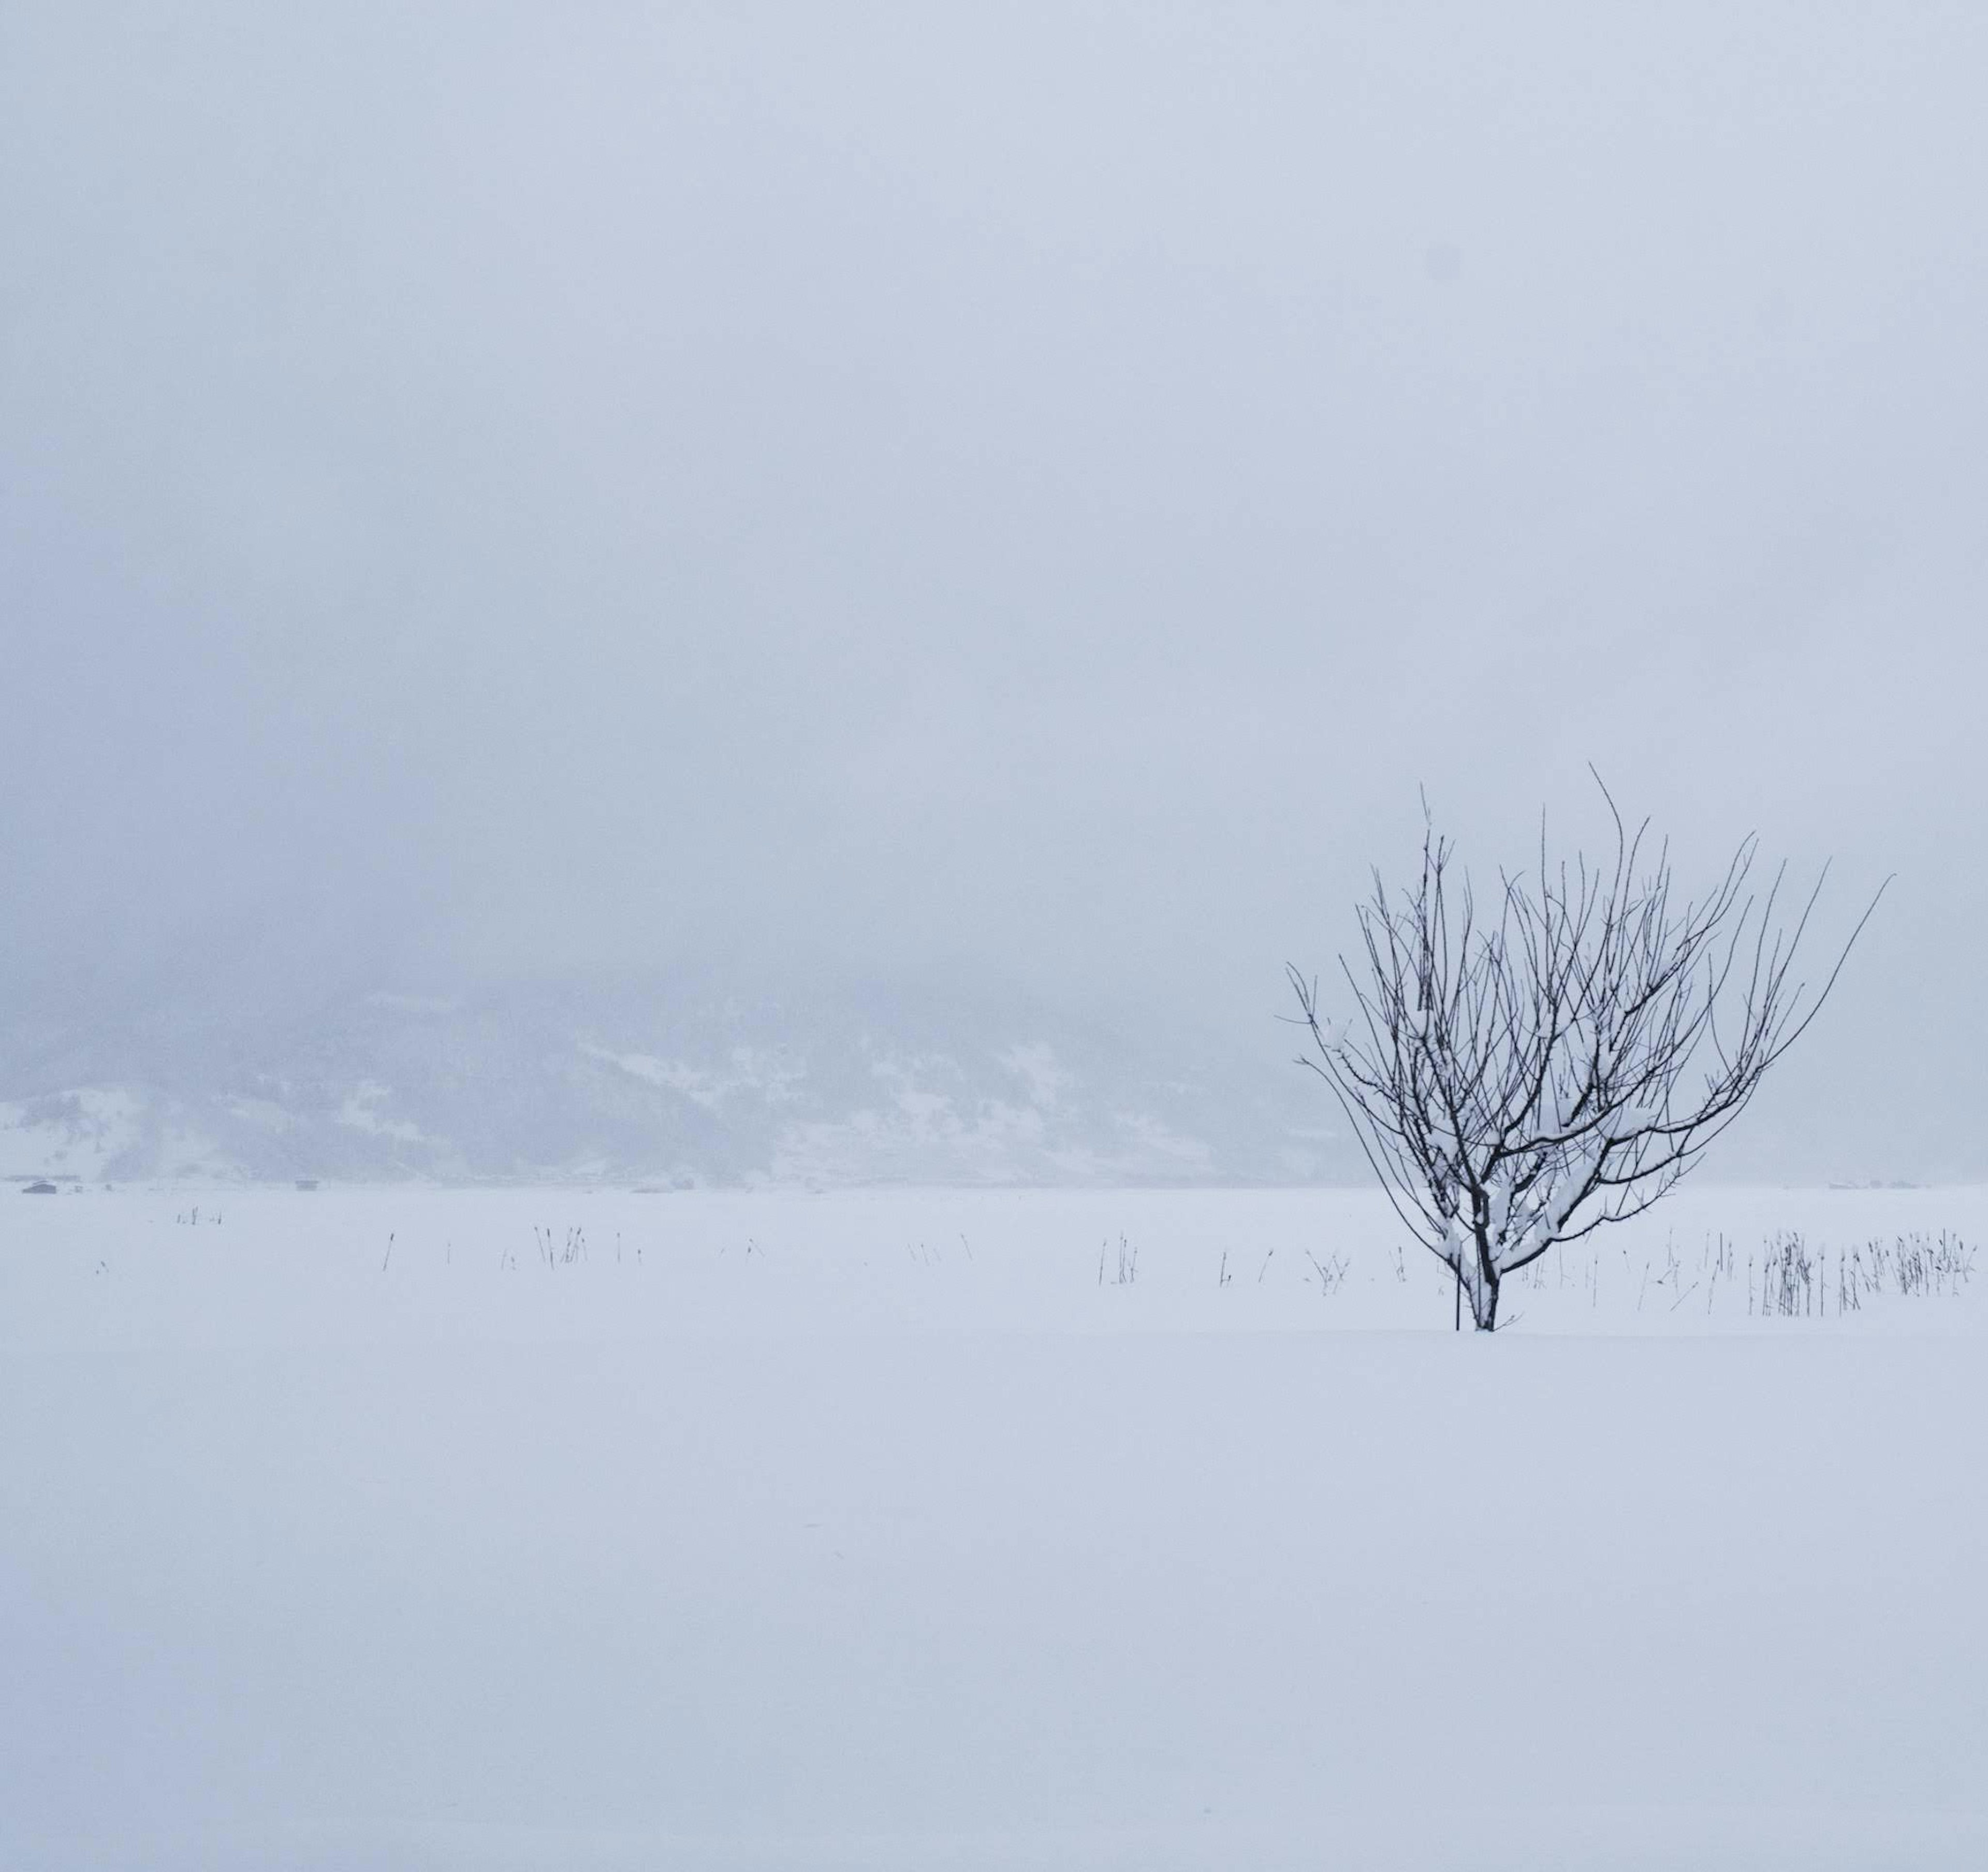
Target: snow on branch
[1519,1072]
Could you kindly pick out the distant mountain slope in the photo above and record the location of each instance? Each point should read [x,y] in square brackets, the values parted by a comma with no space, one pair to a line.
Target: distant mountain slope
[656,1081]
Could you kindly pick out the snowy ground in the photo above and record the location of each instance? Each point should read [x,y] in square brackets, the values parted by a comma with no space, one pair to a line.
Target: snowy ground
[369,1529]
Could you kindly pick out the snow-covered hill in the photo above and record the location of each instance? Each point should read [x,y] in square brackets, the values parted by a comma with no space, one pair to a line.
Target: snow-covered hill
[649,1082]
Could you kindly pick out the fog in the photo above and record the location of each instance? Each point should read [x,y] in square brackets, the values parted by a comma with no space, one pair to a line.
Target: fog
[1017,496]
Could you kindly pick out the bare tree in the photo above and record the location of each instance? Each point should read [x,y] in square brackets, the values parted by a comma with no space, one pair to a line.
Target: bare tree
[1518,1079]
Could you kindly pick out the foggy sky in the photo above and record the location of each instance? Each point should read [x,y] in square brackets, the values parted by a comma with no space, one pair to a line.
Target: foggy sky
[1029,494]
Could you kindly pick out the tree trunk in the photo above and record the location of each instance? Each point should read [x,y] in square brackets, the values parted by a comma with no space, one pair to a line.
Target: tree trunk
[1480,1282]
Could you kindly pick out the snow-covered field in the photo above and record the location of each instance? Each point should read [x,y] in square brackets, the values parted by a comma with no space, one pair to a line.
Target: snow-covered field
[416,1528]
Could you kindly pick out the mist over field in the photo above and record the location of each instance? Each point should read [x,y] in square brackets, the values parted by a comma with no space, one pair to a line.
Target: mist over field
[852,514]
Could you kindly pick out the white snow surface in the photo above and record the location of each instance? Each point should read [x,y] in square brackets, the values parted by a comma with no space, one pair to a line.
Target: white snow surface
[353,1530]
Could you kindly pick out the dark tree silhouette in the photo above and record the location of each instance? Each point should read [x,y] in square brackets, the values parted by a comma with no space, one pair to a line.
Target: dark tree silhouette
[1518,1079]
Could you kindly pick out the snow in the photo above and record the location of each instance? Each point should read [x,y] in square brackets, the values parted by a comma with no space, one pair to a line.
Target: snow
[75,1134]
[521,1529]
[361,1111]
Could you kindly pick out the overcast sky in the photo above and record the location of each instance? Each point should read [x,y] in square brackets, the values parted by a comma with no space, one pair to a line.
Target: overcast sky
[1026,492]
